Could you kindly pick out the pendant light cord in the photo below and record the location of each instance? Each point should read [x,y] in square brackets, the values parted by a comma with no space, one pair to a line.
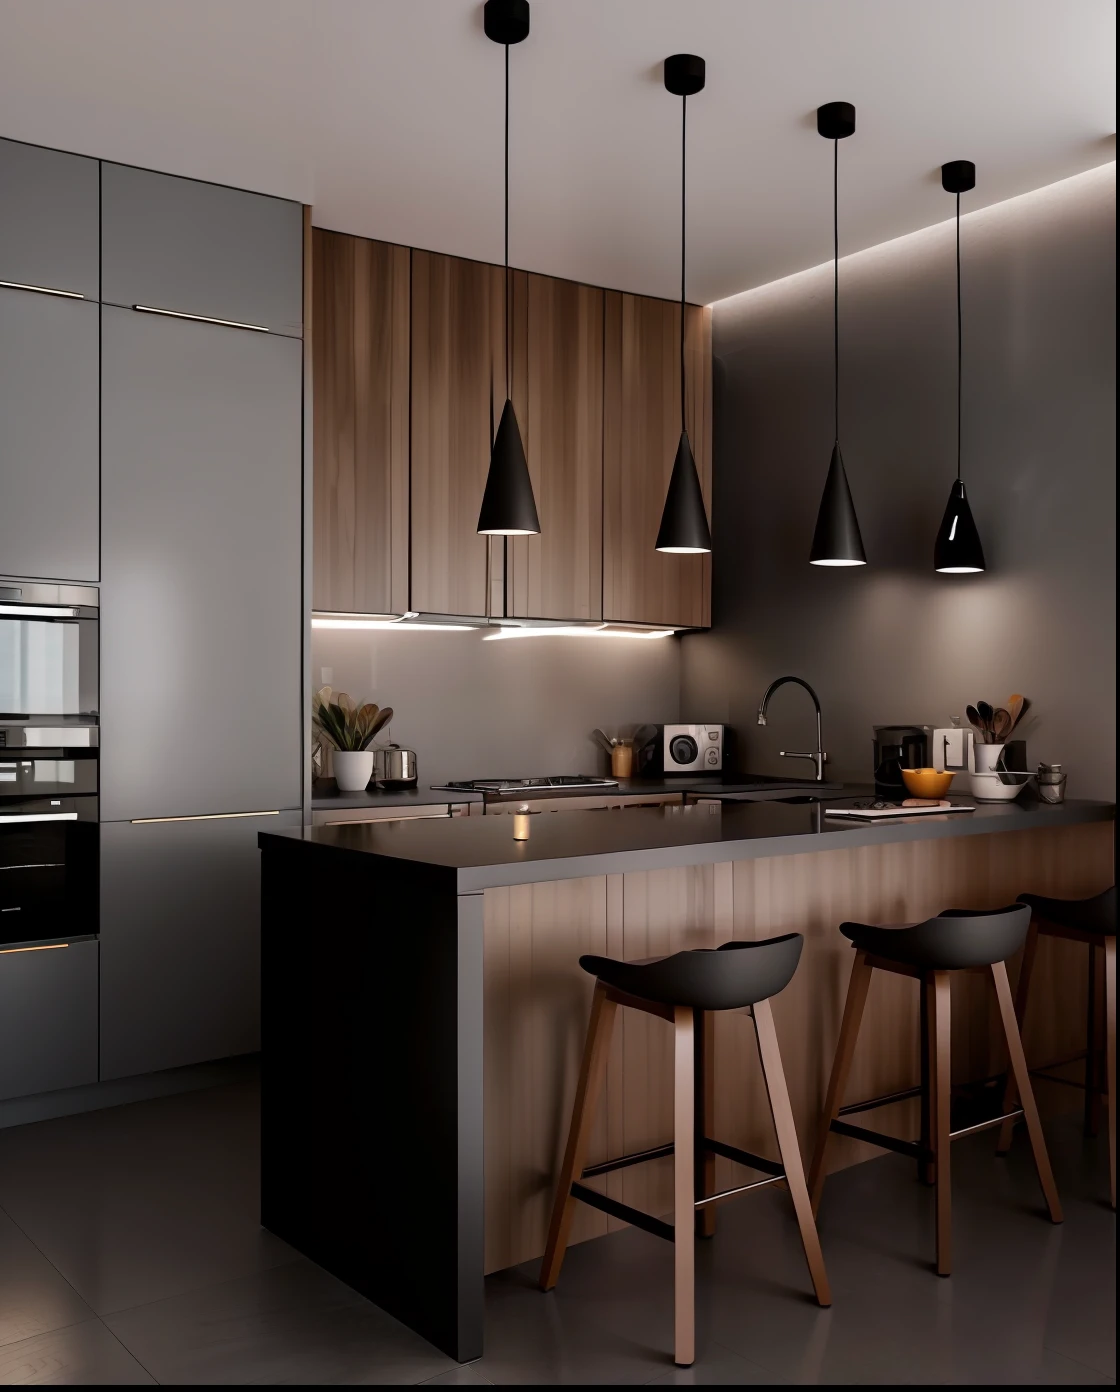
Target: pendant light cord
[960,338]
[505,276]
[836,288]
[684,125]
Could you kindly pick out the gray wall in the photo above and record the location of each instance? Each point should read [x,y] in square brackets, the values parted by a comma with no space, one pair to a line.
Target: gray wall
[516,708]
[893,641]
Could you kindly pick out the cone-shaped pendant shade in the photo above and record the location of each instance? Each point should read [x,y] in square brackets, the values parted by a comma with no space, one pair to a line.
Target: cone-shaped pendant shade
[508,506]
[957,550]
[837,541]
[684,523]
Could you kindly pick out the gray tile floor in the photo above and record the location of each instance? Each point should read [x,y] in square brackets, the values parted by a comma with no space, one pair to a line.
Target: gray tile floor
[130,1253]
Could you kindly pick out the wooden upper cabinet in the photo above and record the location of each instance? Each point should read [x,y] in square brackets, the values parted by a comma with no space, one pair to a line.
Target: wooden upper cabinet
[458,390]
[641,431]
[558,393]
[360,357]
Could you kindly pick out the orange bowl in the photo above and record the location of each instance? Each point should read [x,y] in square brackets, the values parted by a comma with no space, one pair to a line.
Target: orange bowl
[926,782]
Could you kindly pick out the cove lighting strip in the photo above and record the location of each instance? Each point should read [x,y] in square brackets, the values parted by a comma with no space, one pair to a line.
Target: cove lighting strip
[560,631]
[366,625]
[41,289]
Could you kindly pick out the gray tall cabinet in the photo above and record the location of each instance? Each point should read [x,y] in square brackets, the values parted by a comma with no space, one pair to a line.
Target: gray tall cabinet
[201,478]
[151,427]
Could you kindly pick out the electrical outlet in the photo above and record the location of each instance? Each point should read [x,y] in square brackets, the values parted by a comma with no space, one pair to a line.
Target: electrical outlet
[326,676]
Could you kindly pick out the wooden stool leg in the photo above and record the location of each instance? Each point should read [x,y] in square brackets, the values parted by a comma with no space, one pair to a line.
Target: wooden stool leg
[841,1066]
[1026,1093]
[925,1029]
[782,1112]
[591,1072]
[1092,1073]
[705,1089]
[684,1211]
[1026,968]
[938,1004]
[1110,1053]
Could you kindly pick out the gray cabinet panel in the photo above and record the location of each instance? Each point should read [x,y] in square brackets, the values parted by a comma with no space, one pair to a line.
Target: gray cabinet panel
[180,942]
[48,1019]
[48,218]
[200,248]
[201,568]
[48,436]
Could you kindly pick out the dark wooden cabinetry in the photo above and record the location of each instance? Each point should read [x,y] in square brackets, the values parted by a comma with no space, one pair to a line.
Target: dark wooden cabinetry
[458,389]
[641,430]
[409,363]
[360,353]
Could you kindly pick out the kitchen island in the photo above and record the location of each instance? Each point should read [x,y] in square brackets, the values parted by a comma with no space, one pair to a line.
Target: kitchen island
[423,1009]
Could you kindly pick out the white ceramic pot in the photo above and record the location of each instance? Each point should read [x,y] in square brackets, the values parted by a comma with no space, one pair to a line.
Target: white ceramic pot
[989,787]
[352,769]
[986,756]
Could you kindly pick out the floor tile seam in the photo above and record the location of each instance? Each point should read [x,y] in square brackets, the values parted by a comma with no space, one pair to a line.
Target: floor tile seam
[133,1355]
[7,1344]
[206,1285]
[1081,1363]
[7,1349]
[93,1314]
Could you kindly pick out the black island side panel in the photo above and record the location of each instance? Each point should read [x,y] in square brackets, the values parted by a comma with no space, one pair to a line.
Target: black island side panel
[371,1102]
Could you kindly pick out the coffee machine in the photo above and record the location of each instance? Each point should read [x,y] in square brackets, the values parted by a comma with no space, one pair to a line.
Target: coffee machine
[898,747]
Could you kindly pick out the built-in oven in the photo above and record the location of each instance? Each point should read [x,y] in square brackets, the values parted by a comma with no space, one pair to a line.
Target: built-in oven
[48,764]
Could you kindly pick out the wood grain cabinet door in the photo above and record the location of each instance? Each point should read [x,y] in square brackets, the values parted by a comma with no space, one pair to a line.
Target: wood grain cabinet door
[458,389]
[360,354]
[641,430]
[558,393]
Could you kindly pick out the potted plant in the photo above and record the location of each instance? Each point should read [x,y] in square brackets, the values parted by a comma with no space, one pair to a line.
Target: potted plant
[351,730]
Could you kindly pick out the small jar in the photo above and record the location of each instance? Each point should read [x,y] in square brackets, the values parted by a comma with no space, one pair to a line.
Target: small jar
[1051,783]
[622,760]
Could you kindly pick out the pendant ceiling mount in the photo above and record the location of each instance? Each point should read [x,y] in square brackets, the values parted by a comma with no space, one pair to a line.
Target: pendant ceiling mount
[957,550]
[836,538]
[508,506]
[506,21]
[684,529]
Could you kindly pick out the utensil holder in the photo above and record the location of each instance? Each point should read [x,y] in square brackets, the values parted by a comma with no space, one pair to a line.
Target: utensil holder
[1051,787]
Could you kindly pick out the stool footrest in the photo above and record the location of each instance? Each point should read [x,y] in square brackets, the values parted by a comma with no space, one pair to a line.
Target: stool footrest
[623,1211]
[885,1101]
[638,1158]
[914,1149]
[987,1123]
[744,1157]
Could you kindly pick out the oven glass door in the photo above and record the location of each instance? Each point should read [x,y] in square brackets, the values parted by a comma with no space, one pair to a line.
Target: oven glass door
[24,774]
[47,666]
[48,872]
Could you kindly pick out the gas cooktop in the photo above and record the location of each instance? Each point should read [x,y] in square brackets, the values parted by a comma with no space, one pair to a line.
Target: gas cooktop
[518,785]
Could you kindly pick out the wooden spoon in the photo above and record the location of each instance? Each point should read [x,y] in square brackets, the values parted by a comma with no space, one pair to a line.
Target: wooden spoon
[1015,709]
[976,723]
[1001,724]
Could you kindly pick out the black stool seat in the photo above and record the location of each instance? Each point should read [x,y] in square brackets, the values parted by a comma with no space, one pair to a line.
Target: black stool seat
[729,977]
[955,939]
[1094,915]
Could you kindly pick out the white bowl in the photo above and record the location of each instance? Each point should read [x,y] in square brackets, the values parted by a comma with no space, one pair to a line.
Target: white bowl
[989,787]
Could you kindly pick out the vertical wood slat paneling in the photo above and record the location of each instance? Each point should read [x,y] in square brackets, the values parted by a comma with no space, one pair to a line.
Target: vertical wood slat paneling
[360,350]
[641,431]
[558,376]
[537,1001]
[458,390]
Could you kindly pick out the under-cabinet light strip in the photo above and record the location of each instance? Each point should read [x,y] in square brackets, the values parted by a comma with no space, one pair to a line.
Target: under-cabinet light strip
[559,631]
[203,817]
[41,289]
[384,625]
[200,318]
[45,947]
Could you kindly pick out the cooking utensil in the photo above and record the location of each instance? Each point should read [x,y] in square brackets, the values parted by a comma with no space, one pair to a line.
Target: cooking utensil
[394,767]
[987,719]
[605,740]
[1015,708]
[977,724]
[1002,723]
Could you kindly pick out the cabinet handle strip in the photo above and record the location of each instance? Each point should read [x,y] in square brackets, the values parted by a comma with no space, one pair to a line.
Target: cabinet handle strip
[200,318]
[41,289]
[204,817]
[46,947]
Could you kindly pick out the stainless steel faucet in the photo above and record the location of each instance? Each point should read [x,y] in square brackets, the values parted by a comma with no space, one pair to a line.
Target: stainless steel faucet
[820,758]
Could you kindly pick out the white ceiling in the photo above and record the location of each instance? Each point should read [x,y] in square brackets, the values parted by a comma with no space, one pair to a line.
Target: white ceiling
[387,117]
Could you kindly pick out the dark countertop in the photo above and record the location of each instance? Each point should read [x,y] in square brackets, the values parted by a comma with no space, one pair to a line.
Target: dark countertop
[482,853]
[324,796]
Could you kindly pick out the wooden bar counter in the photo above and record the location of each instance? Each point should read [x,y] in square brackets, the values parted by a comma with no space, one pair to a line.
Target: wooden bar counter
[424,1010]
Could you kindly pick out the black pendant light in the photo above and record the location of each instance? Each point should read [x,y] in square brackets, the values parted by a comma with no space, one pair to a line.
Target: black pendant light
[508,506]
[957,550]
[684,523]
[836,541]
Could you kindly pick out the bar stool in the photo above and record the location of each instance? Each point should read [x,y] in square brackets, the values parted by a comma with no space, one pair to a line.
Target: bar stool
[1091,921]
[957,940]
[684,989]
